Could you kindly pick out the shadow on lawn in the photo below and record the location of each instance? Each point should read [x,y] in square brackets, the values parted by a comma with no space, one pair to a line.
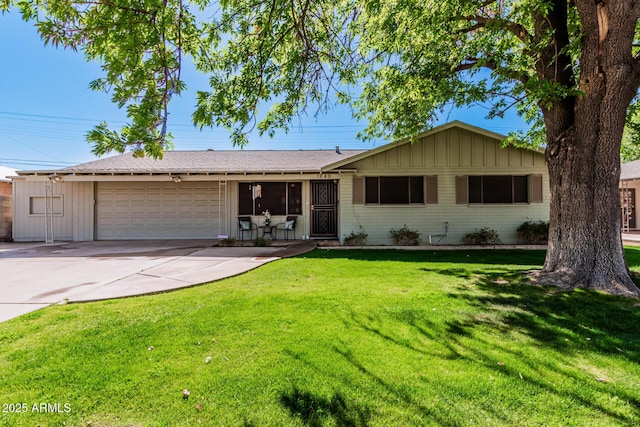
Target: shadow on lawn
[565,330]
[475,256]
[575,324]
[316,410]
[606,324]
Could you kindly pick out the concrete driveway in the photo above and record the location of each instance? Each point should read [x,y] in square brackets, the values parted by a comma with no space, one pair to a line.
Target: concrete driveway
[33,276]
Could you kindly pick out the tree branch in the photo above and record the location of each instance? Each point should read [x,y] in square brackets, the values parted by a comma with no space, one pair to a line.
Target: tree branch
[482,22]
[470,63]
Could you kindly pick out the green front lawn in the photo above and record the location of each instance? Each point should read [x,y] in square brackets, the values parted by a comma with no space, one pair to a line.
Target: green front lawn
[338,338]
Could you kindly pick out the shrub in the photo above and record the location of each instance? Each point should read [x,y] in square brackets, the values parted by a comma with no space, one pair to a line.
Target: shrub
[356,239]
[229,241]
[484,236]
[533,233]
[405,237]
[261,241]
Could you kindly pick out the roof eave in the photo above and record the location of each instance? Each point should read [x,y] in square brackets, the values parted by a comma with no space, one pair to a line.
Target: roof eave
[175,172]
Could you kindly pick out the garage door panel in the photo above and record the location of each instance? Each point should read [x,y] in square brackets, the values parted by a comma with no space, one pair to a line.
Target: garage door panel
[154,222]
[121,211]
[133,210]
[120,197]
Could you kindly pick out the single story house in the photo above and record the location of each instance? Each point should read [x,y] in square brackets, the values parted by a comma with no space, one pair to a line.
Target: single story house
[629,184]
[6,206]
[456,174]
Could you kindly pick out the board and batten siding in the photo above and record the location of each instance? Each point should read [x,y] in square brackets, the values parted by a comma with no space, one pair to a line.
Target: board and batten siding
[450,155]
[75,222]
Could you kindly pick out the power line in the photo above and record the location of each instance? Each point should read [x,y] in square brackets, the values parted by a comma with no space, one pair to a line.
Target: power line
[45,116]
[35,118]
[4,159]
[31,148]
[21,165]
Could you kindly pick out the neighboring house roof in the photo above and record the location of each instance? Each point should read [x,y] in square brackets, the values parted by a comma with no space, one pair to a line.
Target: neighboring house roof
[236,161]
[630,171]
[5,173]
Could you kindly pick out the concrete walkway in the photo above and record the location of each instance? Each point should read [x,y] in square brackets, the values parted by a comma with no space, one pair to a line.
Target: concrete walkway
[33,276]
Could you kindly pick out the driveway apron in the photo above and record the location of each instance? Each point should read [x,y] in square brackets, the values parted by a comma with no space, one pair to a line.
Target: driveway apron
[33,276]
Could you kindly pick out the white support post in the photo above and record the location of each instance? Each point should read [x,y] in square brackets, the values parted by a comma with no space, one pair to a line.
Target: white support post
[48,212]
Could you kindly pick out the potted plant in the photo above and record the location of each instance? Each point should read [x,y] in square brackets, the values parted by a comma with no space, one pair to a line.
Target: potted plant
[267,218]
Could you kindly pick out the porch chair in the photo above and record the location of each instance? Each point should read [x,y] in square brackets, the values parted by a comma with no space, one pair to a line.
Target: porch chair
[441,237]
[246,226]
[289,225]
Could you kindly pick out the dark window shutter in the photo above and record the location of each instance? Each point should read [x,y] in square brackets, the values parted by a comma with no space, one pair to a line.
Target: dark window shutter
[432,189]
[358,190]
[536,188]
[462,192]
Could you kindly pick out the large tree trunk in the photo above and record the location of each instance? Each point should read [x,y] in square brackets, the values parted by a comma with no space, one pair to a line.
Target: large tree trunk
[583,154]
[585,245]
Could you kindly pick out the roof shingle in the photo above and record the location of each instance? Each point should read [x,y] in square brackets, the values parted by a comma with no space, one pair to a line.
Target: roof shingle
[228,161]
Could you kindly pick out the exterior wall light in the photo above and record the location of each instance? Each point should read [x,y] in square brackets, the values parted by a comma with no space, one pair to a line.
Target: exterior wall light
[176,179]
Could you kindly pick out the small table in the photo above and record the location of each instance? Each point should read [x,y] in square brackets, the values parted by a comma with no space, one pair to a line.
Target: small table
[268,230]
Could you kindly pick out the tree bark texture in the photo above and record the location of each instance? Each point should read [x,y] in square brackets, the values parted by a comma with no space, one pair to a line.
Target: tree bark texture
[584,134]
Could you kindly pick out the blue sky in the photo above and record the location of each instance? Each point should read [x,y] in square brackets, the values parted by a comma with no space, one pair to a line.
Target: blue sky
[46,108]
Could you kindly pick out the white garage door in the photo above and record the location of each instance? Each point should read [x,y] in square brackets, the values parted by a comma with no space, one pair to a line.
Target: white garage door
[159,210]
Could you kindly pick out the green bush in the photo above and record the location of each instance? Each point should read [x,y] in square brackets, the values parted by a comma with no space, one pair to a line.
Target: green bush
[533,233]
[355,239]
[261,241]
[405,237]
[229,241]
[484,236]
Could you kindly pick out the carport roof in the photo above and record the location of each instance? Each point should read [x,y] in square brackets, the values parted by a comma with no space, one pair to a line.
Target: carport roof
[211,161]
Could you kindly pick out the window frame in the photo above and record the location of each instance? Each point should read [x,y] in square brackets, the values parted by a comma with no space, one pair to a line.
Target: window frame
[374,188]
[44,198]
[292,199]
[478,183]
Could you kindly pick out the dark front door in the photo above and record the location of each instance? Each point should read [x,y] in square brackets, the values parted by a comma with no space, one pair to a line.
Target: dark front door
[324,209]
[628,204]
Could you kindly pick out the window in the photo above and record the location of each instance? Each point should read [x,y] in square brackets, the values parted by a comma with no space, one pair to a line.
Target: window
[279,198]
[394,190]
[294,198]
[496,189]
[38,205]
